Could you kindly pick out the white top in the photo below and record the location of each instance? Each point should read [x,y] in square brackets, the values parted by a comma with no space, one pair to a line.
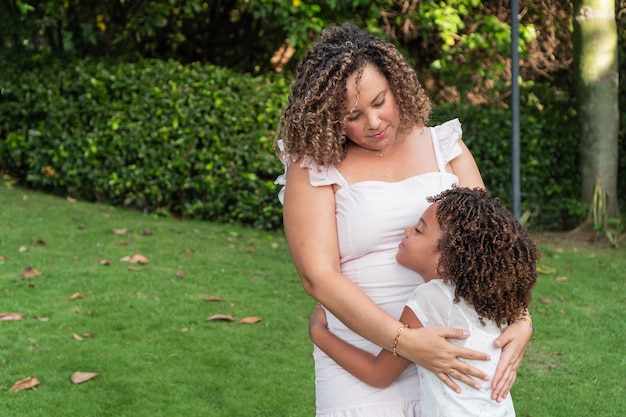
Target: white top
[433,305]
[371,218]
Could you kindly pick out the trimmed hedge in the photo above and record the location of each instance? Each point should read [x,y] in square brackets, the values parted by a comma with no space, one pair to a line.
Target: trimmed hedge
[192,140]
[196,140]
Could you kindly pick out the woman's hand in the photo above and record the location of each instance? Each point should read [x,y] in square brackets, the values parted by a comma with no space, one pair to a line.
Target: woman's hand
[513,342]
[429,348]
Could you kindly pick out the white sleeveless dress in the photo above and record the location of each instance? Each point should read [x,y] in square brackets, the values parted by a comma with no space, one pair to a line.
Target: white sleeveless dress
[371,218]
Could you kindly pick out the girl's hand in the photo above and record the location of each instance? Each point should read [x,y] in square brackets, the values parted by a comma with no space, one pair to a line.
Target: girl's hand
[317,321]
[429,348]
[513,342]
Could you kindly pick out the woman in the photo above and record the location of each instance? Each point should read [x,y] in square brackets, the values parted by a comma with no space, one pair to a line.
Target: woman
[360,162]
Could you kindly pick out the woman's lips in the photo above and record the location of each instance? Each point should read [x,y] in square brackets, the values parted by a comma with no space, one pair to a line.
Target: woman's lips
[380,134]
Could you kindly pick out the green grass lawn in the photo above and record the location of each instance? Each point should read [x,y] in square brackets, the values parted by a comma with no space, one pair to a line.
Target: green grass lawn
[144,329]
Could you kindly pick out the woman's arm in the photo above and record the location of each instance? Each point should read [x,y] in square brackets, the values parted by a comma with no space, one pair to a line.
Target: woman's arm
[378,371]
[464,166]
[311,232]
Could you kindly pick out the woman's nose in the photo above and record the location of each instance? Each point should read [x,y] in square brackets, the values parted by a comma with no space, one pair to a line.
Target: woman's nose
[373,121]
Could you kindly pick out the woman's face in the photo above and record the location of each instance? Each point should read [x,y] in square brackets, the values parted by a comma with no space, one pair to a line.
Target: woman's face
[418,250]
[371,118]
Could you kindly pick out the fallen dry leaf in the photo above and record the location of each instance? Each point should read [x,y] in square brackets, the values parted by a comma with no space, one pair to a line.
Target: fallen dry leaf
[545,300]
[134,268]
[42,319]
[70,199]
[25,383]
[138,259]
[77,337]
[225,317]
[23,249]
[11,317]
[213,298]
[542,269]
[250,320]
[30,272]
[180,274]
[105,262]
[3,258]
[75,296]
[80,377]
[561,279]
[120,231]
[185,329]
[39,242]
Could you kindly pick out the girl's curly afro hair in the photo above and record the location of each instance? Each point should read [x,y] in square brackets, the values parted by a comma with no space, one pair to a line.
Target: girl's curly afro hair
[485,253]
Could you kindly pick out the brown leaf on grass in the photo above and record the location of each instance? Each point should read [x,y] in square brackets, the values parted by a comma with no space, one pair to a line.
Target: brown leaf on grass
[23,249]
[75,296]
[185,330]
[42,319]
[135,268]
[80,377]
[30,273]
[180,274]
[3,258]
[120,232]
[135,259]
[561,279]
[70,199]
[250,320]
[105,262]
[11,317]
[77,337]
[138,259]
[25,383]
[545,300]
[224,317]
[213,298]
[39,242]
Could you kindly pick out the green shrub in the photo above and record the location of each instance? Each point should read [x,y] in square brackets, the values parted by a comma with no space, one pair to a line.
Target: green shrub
[196,140]
[549,154]
[192,140]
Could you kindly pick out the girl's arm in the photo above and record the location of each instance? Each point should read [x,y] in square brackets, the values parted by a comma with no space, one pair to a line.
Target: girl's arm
[311,232]
[378,371]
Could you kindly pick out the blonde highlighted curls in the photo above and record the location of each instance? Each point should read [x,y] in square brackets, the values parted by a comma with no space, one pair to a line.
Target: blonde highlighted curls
[485,253]
[312,124]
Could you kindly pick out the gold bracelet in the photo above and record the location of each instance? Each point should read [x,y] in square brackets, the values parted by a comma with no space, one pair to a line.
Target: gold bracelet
[395,341]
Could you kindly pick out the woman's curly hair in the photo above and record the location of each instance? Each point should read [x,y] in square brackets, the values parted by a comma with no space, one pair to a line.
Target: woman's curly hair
[485,253]
[312,124]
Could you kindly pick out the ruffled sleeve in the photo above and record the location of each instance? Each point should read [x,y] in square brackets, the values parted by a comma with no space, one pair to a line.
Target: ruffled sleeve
[318,176]
[446,141]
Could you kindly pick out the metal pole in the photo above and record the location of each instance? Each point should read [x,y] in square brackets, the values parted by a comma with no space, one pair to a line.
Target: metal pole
[515,108]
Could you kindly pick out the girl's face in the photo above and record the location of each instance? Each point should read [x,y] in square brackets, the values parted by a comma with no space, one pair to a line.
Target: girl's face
[371,118]
[418,250]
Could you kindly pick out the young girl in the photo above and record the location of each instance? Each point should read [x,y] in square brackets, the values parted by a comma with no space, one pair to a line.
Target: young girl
[479,265]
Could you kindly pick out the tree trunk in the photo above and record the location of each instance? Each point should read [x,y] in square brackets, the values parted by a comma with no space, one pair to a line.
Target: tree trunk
[597,82]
